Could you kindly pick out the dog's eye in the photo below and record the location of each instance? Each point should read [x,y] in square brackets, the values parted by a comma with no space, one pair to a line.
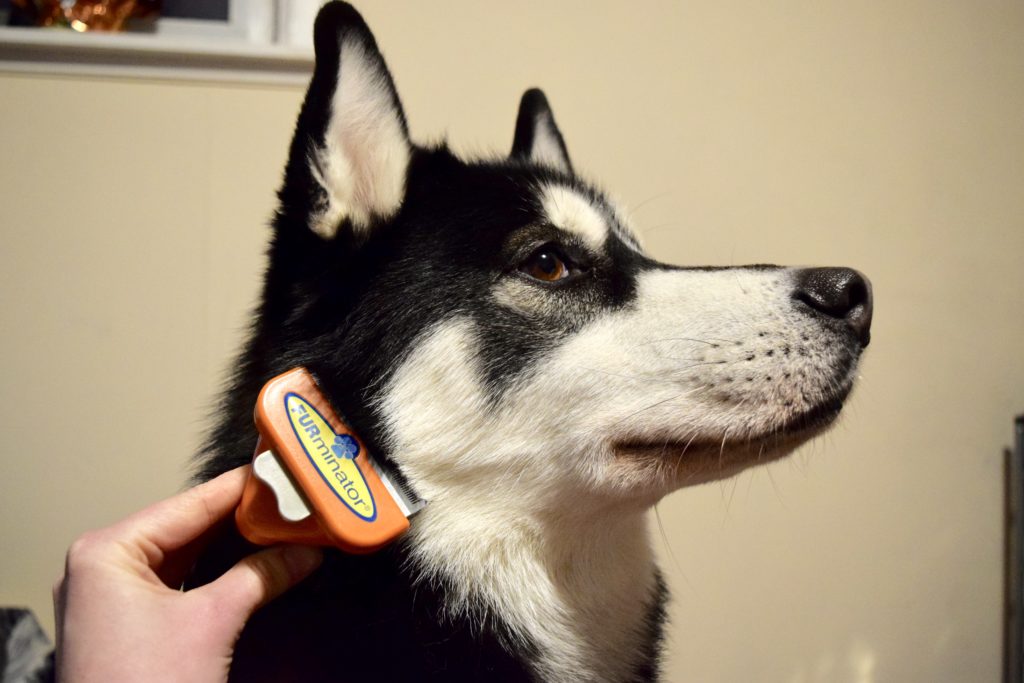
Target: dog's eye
[547,265]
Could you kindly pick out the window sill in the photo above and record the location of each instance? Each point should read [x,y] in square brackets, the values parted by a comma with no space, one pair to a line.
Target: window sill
[56,51]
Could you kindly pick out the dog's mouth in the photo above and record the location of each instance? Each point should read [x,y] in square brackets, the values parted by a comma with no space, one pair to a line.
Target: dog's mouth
[814,419]
[729,453]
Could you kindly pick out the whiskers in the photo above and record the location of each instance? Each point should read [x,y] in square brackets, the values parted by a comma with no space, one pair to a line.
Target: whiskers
[651,378]
[675,397]
[712,342]
[667,544]
[682,455]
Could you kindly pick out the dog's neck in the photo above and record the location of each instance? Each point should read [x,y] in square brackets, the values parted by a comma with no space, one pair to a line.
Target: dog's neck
[578,587]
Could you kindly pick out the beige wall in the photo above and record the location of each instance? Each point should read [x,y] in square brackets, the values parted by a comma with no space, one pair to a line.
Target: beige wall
[884,137]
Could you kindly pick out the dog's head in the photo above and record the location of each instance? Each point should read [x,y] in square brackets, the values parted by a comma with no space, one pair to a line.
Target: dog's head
[495,329]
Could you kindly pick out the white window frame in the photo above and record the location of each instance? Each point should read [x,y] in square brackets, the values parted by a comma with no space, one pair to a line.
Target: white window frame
[262,40]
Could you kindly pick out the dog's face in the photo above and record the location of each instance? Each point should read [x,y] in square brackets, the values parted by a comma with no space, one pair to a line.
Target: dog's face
[501,333]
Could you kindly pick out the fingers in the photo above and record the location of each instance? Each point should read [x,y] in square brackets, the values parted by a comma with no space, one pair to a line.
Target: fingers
[174,522]
[177,565]
[261,577]
[59,593]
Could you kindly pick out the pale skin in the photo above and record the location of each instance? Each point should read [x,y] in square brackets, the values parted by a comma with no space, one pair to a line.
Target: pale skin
[121,615]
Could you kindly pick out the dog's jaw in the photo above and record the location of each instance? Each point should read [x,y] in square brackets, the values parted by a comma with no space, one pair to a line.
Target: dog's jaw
[712,371]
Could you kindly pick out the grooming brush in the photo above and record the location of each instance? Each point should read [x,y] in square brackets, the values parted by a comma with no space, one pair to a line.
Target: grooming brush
[313,481]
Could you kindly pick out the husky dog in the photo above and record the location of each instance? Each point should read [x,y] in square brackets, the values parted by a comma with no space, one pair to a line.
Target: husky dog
[497,336]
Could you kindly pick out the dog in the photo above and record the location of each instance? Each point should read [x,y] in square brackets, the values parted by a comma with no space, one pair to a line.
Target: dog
[498,337]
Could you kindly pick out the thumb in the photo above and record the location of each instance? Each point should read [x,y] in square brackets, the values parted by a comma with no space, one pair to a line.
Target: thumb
[261,577]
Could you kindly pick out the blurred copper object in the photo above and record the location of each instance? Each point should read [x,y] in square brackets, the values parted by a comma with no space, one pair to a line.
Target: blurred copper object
[83,15]
[108,15]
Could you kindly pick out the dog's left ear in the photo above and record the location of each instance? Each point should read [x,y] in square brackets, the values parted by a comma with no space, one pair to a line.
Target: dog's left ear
[537,138]
[351,148]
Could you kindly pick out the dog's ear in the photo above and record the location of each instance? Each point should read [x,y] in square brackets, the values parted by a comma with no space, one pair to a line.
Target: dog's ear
[537,138]
[351,149]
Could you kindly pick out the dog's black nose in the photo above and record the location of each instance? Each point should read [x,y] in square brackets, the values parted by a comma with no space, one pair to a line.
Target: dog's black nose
[840,293]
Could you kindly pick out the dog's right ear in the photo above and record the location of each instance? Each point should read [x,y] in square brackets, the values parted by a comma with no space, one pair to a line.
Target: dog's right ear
[349,157]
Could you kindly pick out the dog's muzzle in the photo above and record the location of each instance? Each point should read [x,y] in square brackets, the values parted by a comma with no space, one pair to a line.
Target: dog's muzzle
[839,293]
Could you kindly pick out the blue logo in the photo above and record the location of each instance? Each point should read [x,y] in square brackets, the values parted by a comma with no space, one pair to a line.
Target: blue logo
[345,446]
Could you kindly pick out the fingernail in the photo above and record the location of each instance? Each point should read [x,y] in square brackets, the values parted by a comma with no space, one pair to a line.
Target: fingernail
[302,559]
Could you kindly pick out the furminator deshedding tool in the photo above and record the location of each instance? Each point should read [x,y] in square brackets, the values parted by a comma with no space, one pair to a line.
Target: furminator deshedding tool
[313,482]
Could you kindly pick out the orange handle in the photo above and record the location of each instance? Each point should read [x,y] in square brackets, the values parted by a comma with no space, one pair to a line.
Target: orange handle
[351,508]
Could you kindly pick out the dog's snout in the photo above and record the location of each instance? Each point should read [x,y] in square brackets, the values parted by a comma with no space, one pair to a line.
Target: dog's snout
[840,293]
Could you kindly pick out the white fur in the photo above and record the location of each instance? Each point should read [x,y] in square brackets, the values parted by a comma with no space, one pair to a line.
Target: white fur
[363,162]
[546,149]
[534,511]
[619,223]
[570,211]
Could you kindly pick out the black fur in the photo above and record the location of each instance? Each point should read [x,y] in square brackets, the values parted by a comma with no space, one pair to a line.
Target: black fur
[367,617]
[350,309]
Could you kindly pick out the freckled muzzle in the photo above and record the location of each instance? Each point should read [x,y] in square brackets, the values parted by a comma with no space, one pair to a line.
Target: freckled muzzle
[841,294]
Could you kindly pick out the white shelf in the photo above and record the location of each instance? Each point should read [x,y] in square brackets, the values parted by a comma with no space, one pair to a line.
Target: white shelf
[62,51]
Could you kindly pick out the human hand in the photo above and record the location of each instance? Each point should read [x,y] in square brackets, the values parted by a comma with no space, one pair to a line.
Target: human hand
[120,614]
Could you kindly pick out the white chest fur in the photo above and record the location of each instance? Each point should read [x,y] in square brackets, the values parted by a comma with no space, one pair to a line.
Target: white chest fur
[579,588]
